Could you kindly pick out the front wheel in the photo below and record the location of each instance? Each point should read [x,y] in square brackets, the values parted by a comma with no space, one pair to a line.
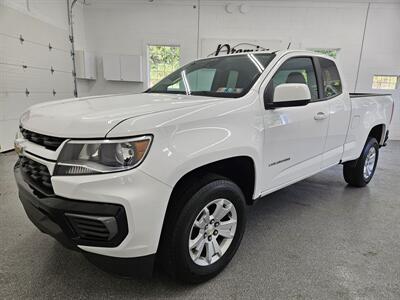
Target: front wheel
[206,232]
[360,172]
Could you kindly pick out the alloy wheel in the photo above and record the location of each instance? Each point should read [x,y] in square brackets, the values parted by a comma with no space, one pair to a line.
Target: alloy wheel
[212,232]
[369,164]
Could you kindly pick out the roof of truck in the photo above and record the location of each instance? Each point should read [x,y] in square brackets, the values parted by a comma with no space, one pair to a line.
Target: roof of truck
[280,52]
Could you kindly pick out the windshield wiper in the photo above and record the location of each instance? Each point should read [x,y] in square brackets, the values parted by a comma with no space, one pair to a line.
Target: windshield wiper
[164,92]
[215,94]
[204,93]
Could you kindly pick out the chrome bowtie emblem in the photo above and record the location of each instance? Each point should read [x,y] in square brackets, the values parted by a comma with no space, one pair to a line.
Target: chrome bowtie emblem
[19,146]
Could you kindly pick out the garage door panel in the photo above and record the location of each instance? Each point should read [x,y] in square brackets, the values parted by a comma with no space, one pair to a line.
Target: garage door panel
[32,29]
[62,82]
[11,51]
[14,105]
[26,66]
[60,60]
[35,55]
[17,79]
[7,72]
[37,81]
[2,109]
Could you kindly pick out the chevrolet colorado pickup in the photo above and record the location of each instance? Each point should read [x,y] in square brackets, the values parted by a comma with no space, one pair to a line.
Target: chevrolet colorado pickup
[166,175]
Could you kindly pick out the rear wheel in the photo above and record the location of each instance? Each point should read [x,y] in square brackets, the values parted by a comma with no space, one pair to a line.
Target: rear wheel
[204,235]
[360,172]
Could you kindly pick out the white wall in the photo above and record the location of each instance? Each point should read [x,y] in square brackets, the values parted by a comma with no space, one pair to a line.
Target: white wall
[381,53]
[305,24]
[126,27]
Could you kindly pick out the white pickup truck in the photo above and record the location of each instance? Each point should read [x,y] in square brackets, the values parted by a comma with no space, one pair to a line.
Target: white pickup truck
[167,174]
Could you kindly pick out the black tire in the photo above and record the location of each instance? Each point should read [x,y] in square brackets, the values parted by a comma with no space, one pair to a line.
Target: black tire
[194,196]
[353,171]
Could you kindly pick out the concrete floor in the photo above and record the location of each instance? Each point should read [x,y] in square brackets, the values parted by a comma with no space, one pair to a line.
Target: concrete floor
[316,239]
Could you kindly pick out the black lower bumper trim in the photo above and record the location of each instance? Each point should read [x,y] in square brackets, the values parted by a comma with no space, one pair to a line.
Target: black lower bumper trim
[121,266]
[46,225]
[48,213]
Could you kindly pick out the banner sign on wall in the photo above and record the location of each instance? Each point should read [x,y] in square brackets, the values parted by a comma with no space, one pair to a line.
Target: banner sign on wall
[215,47]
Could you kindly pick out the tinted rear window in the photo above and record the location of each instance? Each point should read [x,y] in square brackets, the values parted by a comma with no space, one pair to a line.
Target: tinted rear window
[332,85]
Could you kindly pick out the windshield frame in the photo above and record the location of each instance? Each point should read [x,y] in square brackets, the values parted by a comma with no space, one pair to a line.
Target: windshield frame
[179,71]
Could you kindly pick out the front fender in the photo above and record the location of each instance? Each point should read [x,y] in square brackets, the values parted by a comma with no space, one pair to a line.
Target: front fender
[185,140]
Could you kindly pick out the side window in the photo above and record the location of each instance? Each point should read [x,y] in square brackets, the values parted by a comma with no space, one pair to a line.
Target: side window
[294,70]
[331,82]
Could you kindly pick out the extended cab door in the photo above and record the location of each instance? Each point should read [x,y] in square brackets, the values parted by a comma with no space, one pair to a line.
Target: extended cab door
[339,111]
[294,135]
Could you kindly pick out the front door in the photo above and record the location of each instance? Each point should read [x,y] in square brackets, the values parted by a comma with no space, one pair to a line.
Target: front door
[294,136]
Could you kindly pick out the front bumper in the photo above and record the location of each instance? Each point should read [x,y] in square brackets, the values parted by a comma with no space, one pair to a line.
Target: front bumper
[133,246]
[55,216]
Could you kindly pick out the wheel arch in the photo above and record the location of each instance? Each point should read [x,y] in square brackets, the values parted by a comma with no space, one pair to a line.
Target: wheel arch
[378,132]
[240,169]
[218,169]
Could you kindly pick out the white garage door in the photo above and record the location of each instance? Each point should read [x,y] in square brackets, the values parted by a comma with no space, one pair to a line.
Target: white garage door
[35,66]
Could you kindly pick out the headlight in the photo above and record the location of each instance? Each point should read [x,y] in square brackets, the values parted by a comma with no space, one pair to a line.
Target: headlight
[104,156]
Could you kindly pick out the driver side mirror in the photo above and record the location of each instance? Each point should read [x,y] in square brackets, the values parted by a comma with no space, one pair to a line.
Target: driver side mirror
[290,94]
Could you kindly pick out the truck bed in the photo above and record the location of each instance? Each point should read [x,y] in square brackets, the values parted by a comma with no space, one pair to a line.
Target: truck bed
[360,95]
[367,111]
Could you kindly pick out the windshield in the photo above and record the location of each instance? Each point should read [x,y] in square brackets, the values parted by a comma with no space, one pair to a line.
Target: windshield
[228,76]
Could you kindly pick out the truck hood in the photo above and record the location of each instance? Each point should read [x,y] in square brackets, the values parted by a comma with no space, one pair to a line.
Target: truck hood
[95,116]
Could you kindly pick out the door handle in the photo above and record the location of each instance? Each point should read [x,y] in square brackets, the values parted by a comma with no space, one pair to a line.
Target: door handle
[320,116]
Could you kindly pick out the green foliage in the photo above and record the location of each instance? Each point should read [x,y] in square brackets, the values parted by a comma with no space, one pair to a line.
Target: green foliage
[163,61]
[330,52]
[164,54]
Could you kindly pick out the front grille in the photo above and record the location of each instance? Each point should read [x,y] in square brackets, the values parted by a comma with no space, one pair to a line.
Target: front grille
[93,228]
[36,175]
[49,142]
